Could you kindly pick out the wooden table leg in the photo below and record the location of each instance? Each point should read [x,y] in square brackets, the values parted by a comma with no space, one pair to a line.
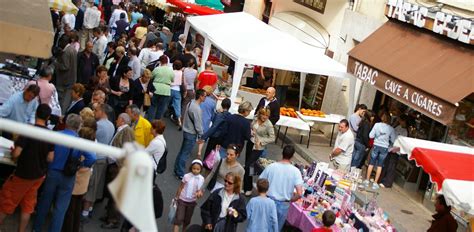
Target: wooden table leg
[309,137]
[278,133]
[283,139]
[332,134]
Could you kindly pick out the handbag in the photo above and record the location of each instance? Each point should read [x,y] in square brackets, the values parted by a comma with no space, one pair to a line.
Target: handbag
[211,159]
[172,212]
[157,201]
[72,165]
[146,100]
[213,180]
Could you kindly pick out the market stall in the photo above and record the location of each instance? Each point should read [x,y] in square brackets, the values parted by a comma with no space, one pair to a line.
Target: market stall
[448,166]
[230,34]
[28,26]
[327,189]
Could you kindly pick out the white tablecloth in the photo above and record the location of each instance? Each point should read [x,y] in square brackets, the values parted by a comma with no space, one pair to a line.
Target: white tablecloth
[253,98]
[329,118]
[295,123]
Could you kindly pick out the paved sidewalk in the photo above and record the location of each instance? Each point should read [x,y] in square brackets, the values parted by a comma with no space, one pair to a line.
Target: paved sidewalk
[404,212]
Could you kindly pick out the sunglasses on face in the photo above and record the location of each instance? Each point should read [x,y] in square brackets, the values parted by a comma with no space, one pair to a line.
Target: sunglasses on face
[228,182]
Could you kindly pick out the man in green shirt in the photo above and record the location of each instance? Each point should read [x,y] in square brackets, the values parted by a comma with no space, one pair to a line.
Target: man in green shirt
[163,76]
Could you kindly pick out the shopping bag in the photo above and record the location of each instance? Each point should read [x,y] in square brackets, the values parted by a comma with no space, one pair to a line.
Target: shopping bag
[212,159]
[172,212]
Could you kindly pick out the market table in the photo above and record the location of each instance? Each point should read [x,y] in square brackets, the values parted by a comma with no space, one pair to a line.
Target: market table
[300,218]
[329,118]
[295,123]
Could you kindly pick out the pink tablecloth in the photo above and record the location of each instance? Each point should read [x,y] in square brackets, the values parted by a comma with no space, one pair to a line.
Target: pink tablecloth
[301,219]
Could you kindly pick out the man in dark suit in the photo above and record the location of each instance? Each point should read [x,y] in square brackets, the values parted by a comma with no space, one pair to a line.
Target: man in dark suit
[77,103]
[66,72]
[120,62]
[271,103]
[87,62]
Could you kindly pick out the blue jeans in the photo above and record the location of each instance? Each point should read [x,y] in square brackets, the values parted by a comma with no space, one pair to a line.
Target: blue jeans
[282,211]
[358,154]
[58,188]
[186,148]
[378,155]
[176,102]
[159,103]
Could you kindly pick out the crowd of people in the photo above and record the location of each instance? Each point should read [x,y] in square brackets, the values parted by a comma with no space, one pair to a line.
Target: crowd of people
[117,74]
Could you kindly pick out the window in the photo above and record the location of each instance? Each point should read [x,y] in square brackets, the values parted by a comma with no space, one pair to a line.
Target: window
[317,5]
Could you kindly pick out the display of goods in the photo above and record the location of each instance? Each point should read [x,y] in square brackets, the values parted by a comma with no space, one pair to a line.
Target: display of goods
[290,112]
[252,90]
[313,113]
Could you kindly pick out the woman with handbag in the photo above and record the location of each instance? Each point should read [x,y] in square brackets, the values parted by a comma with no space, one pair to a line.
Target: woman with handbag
[225,207]
[216,178]
[176,90]
[121,91]
[263,133]
[142,89]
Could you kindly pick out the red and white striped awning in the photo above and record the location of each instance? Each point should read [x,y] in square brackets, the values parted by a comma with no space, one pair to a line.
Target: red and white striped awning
[451,167]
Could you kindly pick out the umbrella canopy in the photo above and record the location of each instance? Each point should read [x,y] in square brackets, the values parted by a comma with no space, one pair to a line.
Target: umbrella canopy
[216,4]
[63,5]
[190,8]
[449,166]
[26,28]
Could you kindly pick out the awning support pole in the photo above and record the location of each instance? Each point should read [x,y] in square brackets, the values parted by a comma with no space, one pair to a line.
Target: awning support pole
[236,78]
[205,53]
[302,84]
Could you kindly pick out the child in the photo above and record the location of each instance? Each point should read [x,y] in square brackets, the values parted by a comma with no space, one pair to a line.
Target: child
[328,220]
[187,194]
[261,210]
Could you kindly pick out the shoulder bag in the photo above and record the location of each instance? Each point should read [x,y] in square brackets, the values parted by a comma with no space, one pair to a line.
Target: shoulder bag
[161,164]
[213,180]
[72,164]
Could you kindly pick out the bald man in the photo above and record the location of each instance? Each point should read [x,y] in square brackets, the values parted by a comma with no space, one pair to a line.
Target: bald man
[87,62]
[271,103]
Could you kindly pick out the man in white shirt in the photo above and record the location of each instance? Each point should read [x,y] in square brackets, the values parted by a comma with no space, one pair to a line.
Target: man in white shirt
[134,63]
[341,155]
[116,15]
[100,43]
[91,21]
[68,19]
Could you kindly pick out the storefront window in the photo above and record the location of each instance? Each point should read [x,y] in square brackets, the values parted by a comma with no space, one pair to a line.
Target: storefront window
[461,131]
[317,5]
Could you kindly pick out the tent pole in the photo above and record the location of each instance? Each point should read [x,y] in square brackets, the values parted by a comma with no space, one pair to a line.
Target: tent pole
[236,78]
[187,26]
[302,84]
[205,53]
[352,99]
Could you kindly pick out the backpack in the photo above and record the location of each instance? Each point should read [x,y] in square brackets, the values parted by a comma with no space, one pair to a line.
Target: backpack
[161,164]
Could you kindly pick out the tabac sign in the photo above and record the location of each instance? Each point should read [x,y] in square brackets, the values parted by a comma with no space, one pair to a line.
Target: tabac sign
[417,99]
[454,27]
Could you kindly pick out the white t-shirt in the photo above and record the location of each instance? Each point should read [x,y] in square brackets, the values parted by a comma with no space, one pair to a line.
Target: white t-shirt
[156,148]
[226,200]
[345,142]
[192,183]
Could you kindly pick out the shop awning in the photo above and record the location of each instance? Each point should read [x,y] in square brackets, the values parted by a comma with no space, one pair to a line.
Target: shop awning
[247,40]
[65,6]
[26,28]
[428,73]
[216,4]
[451,167]
[190,8]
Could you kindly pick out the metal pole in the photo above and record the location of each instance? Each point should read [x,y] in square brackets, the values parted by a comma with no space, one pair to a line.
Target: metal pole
[58,138]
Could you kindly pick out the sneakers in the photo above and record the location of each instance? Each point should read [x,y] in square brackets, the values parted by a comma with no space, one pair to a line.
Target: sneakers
[366,183]
[248,193]
[375,186]
[381,185]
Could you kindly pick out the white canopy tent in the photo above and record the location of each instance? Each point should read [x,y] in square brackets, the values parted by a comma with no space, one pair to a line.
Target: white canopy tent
[247,40]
